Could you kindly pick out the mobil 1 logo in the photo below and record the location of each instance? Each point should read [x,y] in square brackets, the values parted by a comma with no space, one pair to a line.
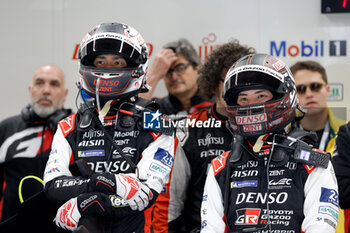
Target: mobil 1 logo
[337,48]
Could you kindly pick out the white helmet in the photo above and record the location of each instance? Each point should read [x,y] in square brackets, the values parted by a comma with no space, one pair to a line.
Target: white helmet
[112,83]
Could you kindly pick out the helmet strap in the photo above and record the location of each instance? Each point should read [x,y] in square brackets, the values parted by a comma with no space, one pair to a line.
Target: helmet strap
[100,115]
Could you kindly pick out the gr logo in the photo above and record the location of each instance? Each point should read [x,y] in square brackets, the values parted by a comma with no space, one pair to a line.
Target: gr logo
[247,216]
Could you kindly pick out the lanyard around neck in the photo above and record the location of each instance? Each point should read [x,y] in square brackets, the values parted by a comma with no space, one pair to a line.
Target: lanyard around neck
[324,138]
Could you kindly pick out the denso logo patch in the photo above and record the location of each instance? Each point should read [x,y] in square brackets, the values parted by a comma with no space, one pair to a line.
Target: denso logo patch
[243,120]
[329,196]
[164,157]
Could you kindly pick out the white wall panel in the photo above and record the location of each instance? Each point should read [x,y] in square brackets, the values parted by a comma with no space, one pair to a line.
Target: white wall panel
[36,32]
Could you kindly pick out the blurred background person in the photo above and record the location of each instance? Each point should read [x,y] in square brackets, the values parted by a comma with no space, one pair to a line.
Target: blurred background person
[313,90]
[202,144]
[341,158]
[241,183]
[25,139]
[178,63]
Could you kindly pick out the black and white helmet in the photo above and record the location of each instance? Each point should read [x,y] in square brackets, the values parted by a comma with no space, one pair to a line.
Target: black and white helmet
[112,83]
[260,71]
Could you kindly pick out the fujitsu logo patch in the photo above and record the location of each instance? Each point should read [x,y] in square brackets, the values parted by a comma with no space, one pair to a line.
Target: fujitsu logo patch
[247,216]
[243,120]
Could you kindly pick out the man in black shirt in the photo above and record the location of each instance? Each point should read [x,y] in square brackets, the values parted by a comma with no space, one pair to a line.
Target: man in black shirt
[25,140]
[178,63]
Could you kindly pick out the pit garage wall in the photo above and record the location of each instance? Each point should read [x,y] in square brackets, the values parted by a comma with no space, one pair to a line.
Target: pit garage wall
[36,32]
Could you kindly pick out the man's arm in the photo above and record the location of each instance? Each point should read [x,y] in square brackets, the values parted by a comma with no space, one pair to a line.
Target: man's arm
[60,184]
[160,66]
[170,202]
[341,158]
[321,201]
[212,210]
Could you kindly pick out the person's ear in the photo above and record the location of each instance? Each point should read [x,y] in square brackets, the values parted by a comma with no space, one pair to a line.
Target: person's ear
[328,88]
[197,67]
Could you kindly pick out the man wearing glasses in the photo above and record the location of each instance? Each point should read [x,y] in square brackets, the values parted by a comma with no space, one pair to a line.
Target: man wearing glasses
[178,63]
[313,90]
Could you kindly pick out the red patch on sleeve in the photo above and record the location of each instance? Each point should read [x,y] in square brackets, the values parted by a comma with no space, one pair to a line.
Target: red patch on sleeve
[309,168]
[67,125]
[220,162]
[155,135]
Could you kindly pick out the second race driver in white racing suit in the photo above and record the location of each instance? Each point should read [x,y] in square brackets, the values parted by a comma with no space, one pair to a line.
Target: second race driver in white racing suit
[130,164]
[271,180]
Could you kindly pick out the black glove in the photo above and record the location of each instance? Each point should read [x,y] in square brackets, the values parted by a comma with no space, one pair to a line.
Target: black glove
[70,213]
[103,182]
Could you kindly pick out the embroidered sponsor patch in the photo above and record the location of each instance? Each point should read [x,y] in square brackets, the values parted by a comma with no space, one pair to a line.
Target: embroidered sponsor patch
[246,183]
[52,170]
[159,169]
[329,196]
[329,211]
[164,157]
[91,153]
[247,216]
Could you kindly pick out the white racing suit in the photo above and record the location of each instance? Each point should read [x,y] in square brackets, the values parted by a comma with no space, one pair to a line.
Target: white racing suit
[153,154]
[293,197]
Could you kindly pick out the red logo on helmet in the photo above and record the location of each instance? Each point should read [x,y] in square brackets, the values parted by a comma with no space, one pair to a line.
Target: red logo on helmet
[278,65]
[107,83]
[252,128]
[243,120]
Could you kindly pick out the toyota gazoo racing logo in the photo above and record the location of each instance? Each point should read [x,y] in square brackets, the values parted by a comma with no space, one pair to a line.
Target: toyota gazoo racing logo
[247,216]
